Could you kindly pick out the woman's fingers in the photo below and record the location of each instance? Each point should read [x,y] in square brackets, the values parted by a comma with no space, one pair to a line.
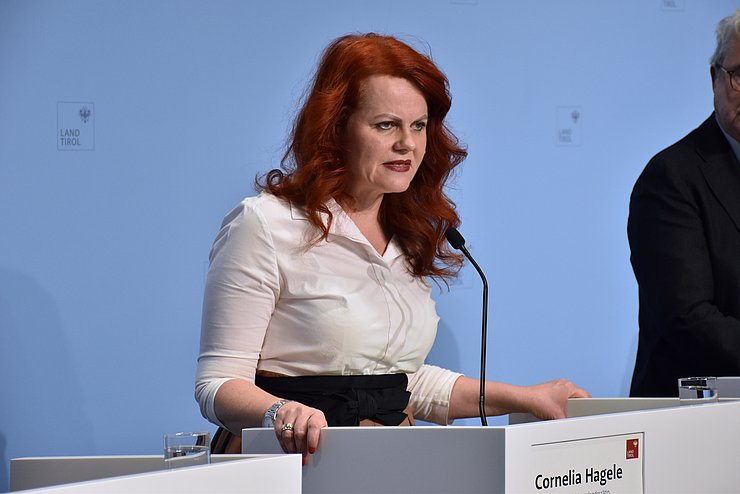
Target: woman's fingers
[285,433]
[550,399]
[314,430]
[299,435]
[298,428]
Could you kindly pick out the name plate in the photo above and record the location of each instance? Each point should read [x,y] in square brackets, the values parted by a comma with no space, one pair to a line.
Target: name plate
[596,465]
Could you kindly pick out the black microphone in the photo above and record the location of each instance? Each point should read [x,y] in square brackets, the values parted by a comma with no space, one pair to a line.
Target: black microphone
[457,242]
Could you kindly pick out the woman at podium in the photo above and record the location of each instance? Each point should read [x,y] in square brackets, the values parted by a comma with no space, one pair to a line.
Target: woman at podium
[317,308]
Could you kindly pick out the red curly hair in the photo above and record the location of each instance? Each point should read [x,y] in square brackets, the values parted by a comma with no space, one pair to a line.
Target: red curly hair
[312,167]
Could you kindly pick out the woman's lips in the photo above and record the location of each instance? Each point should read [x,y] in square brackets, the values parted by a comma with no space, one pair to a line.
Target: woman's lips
[398,166]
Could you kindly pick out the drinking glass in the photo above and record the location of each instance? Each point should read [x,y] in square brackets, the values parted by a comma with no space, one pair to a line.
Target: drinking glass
[186,449]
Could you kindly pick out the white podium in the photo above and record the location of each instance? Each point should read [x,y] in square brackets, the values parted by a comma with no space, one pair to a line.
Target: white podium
[689,449]
[256,474]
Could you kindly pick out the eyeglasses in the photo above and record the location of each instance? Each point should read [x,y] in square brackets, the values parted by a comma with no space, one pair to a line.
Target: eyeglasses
[734,78]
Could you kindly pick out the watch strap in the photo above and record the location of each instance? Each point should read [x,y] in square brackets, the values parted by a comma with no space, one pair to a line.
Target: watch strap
[268,419]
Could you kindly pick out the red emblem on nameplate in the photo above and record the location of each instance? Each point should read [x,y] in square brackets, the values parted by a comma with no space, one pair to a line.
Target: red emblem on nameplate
[633,449]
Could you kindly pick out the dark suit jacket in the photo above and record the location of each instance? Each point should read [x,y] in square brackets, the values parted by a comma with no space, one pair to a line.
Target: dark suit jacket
[684,234]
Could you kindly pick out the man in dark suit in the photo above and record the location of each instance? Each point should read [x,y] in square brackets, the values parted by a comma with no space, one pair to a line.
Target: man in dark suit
[684,234]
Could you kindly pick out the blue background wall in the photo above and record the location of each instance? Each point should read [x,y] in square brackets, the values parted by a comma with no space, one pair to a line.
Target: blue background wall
[103,251]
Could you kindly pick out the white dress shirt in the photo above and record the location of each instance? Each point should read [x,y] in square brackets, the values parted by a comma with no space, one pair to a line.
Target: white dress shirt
[276,302]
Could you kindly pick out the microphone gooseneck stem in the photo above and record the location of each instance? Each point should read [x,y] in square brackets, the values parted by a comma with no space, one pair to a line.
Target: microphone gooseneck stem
[484,330]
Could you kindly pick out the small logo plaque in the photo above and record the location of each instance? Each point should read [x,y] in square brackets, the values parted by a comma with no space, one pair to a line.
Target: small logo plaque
[75,126]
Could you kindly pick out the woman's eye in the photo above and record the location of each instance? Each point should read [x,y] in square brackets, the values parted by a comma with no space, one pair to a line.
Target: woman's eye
[419,126]
[384,125]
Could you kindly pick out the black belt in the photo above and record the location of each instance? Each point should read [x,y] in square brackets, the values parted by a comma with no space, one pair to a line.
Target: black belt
[346,400]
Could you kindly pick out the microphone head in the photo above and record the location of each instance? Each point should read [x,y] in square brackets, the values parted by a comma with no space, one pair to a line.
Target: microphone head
[454,237]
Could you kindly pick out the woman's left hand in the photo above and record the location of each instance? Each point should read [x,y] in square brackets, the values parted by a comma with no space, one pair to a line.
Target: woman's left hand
[298,428]
[549,400]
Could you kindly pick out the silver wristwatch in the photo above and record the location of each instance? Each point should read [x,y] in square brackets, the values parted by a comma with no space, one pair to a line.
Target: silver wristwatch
[268,419]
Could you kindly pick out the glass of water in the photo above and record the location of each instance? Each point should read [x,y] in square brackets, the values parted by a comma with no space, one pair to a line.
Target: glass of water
[697,390]
[186,449]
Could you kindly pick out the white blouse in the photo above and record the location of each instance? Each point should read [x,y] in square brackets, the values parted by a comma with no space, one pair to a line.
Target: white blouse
[275,302]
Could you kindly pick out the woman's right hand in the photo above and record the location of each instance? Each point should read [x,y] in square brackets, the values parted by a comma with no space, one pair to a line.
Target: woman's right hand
[298,428]
[549,400]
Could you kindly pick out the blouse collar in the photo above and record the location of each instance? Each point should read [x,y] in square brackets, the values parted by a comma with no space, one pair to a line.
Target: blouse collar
[343,226]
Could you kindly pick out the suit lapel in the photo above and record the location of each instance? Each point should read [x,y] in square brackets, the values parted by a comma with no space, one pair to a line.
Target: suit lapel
[721,169]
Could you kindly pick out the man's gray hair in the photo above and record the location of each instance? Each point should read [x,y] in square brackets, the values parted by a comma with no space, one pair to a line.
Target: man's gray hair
[726,29]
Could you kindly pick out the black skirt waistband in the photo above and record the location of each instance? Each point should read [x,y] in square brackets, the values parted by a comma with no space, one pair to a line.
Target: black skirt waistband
[346,400]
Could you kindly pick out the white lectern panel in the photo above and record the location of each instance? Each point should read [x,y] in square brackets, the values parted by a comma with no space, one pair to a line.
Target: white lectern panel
[687,449]
[691,449]
[427,460]
[257,475]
